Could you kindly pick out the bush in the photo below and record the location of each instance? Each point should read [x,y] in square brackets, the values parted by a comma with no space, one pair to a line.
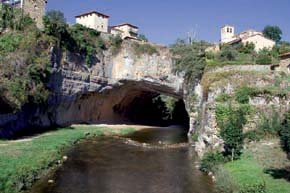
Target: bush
[211,161]
[242,94]
[145,49]
[223,98]
[228,53]
[255,188]
[116,43]
[285,134]
[264,57]
[270,126]
[254,135]
[224,181]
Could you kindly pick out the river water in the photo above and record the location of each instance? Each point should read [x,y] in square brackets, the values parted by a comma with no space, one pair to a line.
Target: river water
[128,165]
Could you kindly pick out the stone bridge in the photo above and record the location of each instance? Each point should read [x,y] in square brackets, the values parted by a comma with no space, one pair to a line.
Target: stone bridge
[105,92]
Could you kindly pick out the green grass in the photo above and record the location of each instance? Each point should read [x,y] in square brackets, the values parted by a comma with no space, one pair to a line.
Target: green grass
[248,171]
[21,162]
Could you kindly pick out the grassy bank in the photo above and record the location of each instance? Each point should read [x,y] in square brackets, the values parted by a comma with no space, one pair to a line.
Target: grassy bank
[23,161]
[262,162]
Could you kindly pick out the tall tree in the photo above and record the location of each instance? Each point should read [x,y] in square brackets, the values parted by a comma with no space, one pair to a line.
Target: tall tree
[273,32]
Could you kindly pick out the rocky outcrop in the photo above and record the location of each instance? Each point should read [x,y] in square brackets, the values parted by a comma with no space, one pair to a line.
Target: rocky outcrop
[96,94]
[226,80]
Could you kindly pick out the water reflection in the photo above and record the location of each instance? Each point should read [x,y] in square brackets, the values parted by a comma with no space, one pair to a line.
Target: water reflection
[109,165]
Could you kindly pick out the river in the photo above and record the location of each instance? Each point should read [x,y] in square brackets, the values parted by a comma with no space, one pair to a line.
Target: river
[155,160]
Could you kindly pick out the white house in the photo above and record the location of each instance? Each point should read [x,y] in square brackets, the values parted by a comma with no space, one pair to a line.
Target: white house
[228,36]
[94,20]
[125,30]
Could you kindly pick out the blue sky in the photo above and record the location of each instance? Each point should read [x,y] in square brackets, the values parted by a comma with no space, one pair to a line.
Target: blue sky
[163,21]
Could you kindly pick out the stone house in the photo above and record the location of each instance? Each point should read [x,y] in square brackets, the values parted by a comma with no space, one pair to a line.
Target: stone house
[285,62]
[126,31]
[35,8]
[228,36]
[94,20]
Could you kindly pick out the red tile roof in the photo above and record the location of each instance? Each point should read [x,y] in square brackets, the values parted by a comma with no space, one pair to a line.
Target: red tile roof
[133,26]
[93,12]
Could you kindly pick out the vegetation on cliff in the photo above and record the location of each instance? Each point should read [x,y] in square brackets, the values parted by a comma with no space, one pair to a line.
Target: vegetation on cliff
[24,60]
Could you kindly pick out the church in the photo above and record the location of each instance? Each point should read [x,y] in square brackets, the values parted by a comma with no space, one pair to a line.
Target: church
[228,36]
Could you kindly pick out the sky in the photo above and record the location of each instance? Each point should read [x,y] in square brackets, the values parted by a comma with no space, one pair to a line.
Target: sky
[164,21]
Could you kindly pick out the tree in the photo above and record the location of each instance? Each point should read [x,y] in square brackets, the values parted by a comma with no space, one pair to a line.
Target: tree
[273,33]
[232,132]
[190,58]
[285,134]
[143,37]
[55,24]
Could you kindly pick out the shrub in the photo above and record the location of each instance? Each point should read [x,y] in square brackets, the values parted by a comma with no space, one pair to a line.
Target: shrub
[254,135]
[242,94]
[224,181]
[116,43]
[264,57]
[145,49]
[211,161]
[270,125]
[223,98]
[255,188]
[285,134]
[228,53]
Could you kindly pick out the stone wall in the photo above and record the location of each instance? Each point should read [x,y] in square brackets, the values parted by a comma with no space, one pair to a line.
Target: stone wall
[36,10]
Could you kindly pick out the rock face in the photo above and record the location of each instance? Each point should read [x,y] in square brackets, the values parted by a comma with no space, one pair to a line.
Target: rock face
[226,80]
[99,94]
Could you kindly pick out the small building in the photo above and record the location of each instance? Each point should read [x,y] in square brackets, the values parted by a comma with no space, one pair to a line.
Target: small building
[35,8]
[94,20]
[125,30]
[228,36]
[285,62]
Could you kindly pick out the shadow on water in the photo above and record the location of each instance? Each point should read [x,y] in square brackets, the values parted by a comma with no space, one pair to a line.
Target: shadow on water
[110,165]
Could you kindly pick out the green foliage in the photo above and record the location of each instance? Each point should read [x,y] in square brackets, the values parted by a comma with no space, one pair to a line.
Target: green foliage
[231,122]
[23,162]
[254,188]
[9,43]
[270,125]
[189,58]
[248,48]
[228,54]
[116,43]
[283,47]
[146,48]
[142,37]
[253,136]
[285,134]
[55,24]
[211,161]
[14,19]
[273,33]
[224,181]
[243,94]
[264,57]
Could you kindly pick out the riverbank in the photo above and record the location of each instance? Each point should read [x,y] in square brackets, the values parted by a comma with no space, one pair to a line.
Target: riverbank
[26,160]
[262,164]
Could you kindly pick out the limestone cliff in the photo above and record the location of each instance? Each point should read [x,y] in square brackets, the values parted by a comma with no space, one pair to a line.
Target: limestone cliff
[100,93]
[273,96]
